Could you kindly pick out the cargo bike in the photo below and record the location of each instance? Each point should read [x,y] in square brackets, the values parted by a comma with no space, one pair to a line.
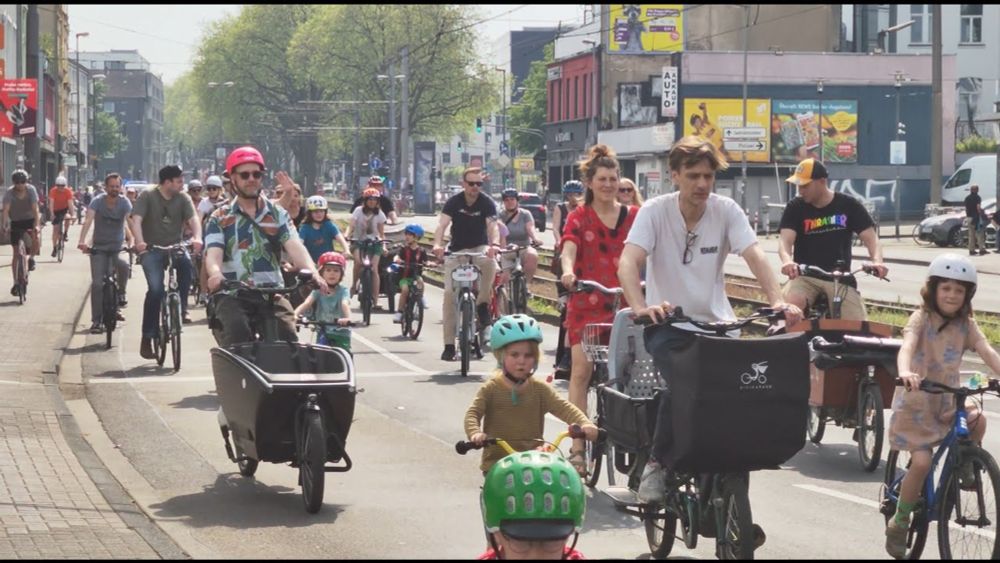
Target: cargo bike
[853,392]
[735,406]
[284,402]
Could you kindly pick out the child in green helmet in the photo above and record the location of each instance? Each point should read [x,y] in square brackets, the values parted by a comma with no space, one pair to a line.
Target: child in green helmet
[532,503]
[512,404]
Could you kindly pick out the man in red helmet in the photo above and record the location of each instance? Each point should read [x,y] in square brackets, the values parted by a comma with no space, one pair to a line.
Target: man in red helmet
[384,202]
[243,242]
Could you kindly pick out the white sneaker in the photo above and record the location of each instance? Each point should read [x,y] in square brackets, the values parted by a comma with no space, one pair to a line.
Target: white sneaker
[653,484]
[397,317]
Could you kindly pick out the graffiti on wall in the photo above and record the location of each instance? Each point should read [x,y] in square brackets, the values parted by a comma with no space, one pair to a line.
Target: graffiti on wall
[912,194]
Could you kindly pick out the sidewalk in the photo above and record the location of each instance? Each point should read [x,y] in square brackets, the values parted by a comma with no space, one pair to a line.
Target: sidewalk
[58,499]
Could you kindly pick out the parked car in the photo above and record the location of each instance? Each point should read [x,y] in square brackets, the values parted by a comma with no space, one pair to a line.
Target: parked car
[533,203]
[947,229]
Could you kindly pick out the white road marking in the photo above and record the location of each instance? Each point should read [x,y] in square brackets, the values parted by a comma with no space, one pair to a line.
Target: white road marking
[837,494]
[393,357]
[25,383]
[205,378]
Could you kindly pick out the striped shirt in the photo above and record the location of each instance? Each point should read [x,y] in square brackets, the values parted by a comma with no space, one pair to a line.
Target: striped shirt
[519,425]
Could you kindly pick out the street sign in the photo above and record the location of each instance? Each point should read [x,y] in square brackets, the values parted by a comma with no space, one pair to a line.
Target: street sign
[897,152]
[503,160]
[735,145]
[743,133]
[375,163]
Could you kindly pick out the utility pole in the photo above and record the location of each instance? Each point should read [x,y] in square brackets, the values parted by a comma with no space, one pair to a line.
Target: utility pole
[393,162]
[353,188]
[404,137]
[899,187]
[746,45]
[936,117]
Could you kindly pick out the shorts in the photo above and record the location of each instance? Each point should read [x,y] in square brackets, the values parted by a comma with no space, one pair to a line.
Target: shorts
[18,229]
[406,282]
[369,248]
[852,308]
[59,216]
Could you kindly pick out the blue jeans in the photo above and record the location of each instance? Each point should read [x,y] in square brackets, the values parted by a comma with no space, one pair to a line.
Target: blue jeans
[154,264]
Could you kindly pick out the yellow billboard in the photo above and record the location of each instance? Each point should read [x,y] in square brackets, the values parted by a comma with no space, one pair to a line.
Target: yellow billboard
[711,117]
[645,28]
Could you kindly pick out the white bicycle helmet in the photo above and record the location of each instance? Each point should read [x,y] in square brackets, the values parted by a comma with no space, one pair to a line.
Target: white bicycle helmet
[316,203]
[953,267]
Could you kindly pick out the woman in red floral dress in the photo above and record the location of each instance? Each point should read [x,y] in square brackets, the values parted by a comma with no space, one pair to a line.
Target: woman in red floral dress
[592,242]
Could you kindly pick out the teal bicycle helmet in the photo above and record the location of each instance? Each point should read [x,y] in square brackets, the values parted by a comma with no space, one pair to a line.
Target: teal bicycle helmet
[514,328]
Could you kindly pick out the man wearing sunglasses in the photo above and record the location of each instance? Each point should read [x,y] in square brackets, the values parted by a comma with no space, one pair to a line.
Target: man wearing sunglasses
[384,203]
[473,220]
[683,239]
[159,218]
[244,241]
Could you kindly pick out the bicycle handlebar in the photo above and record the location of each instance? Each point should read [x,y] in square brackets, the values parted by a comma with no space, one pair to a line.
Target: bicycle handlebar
[816,271]
[574,432]
[993,385]
[369,240]
[719,327]
[178,246]
[301,278]
[302,321]
[857,344]
[589,285]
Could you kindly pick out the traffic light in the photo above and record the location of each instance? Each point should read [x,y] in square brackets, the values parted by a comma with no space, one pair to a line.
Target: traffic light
[479,125]
[459,146]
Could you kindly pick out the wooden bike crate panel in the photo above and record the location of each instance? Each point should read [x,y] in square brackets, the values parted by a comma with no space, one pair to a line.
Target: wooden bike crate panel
[838,387]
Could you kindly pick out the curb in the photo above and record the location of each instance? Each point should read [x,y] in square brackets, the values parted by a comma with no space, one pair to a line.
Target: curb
[112,491]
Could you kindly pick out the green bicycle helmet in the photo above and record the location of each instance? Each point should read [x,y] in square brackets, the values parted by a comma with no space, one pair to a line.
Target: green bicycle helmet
[533,495]
[514,328]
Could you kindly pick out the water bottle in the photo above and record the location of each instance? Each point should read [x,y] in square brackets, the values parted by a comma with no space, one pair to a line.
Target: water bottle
[976,381]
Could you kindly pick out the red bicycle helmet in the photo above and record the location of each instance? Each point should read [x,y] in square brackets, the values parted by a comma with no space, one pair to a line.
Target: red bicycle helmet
[375,181]
[371,192]
[243,155]
[332,258]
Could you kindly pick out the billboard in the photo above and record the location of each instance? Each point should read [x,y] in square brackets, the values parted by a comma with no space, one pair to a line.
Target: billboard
[18,107]
[709,117]
[796,130]
[423,176]
[645,28]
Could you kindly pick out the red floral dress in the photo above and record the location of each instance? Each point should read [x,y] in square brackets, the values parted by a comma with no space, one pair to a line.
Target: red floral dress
[598,250]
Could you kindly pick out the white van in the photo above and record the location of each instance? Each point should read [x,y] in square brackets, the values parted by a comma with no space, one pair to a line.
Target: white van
[981,170]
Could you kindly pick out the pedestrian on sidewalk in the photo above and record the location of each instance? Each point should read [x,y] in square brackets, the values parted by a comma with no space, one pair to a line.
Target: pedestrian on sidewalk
[110,231]
[974,221]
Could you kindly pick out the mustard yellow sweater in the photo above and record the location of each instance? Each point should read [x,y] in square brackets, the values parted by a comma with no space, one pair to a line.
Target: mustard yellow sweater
[519,425]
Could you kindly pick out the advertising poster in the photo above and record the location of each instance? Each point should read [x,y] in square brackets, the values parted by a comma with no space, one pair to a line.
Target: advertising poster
[709,117]
[423,179]
[796,130]
[18,107]
[668,92]
[645,28]
[631,111]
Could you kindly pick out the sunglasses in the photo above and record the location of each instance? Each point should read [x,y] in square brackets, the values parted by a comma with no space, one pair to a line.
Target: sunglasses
[257,175]
[210,188]
[689,248]
[476,184]
[626,190]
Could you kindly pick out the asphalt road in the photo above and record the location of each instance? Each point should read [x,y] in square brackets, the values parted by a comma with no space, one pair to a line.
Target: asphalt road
[409,495]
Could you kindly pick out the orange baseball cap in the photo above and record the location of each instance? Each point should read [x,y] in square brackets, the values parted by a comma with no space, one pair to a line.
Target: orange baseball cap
[808,170]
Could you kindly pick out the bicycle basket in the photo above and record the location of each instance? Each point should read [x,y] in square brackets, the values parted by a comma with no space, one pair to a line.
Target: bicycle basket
[595,342]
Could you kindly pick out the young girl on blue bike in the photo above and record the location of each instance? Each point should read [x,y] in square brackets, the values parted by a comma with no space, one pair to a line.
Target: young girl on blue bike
[933,342]
[512,404]
[332,308]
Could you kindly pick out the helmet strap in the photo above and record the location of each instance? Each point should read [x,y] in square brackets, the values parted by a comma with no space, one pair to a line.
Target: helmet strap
[494,544]
[572,546]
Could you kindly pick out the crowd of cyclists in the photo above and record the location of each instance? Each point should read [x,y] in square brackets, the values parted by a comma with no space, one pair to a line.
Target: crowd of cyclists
[663,253]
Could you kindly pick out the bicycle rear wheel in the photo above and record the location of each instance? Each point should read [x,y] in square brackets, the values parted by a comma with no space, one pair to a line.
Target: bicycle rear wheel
[968,516]
[661,529]
[110,310]
[737,538]
[175,329]
[466,332]
[366,296]
[917,239]
[871,426]
[896,466]
[312,458]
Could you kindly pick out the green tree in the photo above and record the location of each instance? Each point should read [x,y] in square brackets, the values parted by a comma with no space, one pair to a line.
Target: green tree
[108,137]
[185,124]
[529,112]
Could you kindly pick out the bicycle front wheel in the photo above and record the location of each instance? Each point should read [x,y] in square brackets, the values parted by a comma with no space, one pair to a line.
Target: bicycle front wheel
[467,329]
[896,466]
[871,426]
[366,297]
[520,296]
[737,538]
[175,330]
[20,277]
[416,317]
[968,517]
[312,458]
[110,310]
[60,248]
[164,336]
[595,412]
[917,239]
[661,529]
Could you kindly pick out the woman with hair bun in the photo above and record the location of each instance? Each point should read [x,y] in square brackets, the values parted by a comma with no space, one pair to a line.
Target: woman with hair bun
[592,242]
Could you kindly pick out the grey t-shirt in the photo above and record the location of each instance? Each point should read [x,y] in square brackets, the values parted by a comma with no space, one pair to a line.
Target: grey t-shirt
[517,227]
[109,222]
[162,219]
[20,209]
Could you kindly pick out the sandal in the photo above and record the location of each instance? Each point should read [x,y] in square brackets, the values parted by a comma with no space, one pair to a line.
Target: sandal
[578,459]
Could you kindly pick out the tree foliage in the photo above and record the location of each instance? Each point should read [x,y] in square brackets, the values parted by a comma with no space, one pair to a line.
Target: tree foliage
[108,137]
[529,113]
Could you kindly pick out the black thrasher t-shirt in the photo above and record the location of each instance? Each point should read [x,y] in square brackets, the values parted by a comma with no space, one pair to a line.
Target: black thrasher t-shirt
[824,235]
[468,223]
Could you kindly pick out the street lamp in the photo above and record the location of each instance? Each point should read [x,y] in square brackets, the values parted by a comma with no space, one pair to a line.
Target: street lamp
[222,137]
[503,135]
[78,151]
[899,130]
[393,163]
[883,32]
[593,87]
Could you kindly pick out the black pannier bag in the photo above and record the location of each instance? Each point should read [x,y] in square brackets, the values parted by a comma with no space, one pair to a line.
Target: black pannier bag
[736,404]
[629,421]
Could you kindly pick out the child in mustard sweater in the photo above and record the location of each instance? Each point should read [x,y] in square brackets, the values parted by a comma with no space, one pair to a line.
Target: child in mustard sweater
[512,404]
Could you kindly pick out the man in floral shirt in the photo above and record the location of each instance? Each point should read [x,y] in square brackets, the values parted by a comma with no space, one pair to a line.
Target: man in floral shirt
[244,241]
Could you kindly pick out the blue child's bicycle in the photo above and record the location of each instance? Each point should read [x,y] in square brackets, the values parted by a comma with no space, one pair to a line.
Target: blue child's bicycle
[965,507]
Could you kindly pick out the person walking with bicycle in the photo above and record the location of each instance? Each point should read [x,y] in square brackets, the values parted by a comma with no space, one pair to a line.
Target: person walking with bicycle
[520,231]
[573,192]
[61,205]
[820,224]
[933,341]
[682,239]
[591,244]
[108,213]
[244,241]
[21,218]
[472,218]
[158,219]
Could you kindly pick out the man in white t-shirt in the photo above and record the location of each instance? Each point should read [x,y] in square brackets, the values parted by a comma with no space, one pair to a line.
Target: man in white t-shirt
[683,239]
